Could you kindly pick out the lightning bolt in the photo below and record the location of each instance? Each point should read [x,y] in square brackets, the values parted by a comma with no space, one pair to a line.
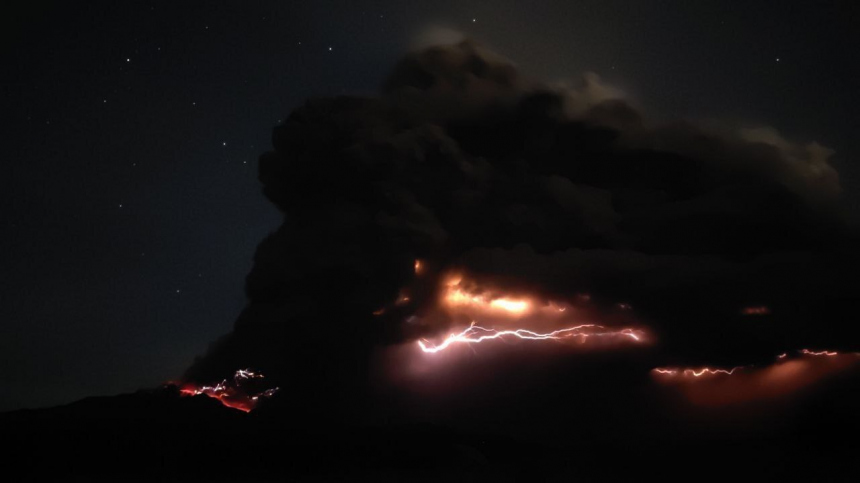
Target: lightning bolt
[475,334]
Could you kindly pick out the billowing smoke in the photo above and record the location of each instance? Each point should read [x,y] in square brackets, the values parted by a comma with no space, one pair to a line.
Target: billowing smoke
[466,164]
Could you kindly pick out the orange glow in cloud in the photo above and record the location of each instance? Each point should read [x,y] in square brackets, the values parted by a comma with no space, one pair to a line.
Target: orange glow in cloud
[403,298]
[523,317]
[756,310]
[510,305]
[460,296]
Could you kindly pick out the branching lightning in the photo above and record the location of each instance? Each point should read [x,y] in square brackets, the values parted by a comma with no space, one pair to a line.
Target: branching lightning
[822,353]
[707,371]
[703,371]
[475,334]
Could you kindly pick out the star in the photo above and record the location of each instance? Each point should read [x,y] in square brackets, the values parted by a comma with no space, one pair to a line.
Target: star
[329,49]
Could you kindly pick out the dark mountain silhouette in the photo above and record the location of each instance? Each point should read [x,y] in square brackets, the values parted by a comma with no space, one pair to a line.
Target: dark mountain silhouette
[156,435]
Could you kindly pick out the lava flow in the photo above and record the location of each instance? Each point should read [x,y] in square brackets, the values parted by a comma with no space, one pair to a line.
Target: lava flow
[232,393]
[475,334]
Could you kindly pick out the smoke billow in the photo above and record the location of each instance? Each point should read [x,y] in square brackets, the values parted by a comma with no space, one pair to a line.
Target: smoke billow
[462,161]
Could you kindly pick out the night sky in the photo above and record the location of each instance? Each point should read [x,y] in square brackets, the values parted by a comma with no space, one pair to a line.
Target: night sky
[130,202]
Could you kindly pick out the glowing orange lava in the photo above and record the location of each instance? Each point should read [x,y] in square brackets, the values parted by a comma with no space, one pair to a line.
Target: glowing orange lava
[231,394]
[475,334]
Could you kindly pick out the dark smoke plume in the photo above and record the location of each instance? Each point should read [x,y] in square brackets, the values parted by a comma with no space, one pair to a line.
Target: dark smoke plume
[464,162]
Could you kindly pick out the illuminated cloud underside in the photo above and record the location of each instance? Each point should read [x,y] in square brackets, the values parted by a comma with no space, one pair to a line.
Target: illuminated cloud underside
[462,297]
[714,387]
